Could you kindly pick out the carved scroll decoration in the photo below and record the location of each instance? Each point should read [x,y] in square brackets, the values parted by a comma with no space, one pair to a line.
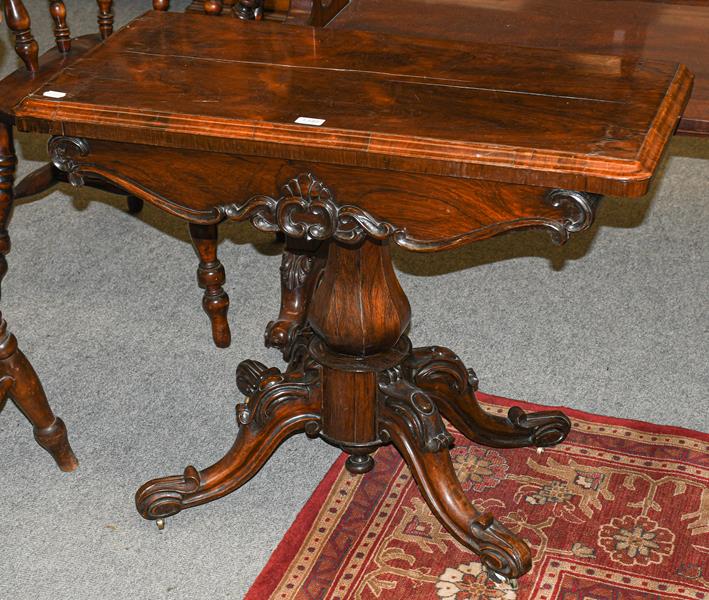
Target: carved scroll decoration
[63,151]
[416,409]
[579,208]
[306,209]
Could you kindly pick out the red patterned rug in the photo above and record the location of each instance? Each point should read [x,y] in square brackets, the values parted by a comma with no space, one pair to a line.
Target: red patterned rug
[619,511]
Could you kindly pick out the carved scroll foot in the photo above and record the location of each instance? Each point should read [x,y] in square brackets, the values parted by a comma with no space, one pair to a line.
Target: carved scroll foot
[408,417]
[20,383]
[211,278]
[278,405]
[452,387]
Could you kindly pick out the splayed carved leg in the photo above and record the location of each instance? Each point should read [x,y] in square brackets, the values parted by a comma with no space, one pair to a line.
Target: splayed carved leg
[301,268]
[211,277]
[8,164]
[278,405]
[442,374]
[20,383]
[408,417]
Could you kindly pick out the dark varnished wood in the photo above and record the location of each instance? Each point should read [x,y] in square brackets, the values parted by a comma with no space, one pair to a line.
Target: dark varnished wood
[18,20]
[301,268]
[295,12]
[668,31]
[278,405]
[8,165]
[105,17]
[423,213]
[211,278]
[511,115]
[62,35]
[20,383]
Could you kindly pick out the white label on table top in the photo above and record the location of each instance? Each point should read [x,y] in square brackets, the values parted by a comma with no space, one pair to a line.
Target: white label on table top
[309,121]
[54,94]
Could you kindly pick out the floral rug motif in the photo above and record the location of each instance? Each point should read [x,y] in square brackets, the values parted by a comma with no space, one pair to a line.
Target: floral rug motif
[619,511]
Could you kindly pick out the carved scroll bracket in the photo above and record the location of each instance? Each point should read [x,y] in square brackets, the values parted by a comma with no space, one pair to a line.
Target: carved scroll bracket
[579,211]
[63,152]
[307,209]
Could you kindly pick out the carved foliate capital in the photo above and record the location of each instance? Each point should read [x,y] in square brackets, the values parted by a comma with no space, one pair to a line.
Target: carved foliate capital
[63,151]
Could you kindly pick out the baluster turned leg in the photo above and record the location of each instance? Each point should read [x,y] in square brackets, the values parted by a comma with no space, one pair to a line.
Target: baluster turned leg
[211,277]
[105,18]
[18,20]
[19,381]
[62,35]
[8,164]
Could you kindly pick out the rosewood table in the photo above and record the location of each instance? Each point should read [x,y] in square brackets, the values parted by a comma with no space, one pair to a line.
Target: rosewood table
[372,139]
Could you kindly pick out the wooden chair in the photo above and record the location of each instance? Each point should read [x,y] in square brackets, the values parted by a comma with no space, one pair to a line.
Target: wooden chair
[210,272]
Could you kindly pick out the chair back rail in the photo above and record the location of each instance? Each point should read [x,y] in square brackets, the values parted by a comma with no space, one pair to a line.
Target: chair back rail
[62,35]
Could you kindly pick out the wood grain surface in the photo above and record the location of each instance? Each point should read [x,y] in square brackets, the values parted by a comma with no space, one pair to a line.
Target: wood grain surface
[676,31]
[591,123]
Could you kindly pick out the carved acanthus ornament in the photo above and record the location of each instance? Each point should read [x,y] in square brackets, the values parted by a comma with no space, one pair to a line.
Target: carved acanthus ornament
[306,209]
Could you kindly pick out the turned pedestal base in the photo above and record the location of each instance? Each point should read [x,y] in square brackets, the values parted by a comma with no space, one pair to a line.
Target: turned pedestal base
[354,380]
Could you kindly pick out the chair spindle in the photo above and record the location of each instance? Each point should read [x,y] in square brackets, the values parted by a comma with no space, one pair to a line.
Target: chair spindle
[105,18]
[213,7]
[249,10]
[62,36]
[18,20]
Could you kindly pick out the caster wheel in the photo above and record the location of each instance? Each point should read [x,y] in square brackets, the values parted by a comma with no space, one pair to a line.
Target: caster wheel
[161,524]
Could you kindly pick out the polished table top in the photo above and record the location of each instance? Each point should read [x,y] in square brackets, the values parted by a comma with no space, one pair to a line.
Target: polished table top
[547,118]
[676,31]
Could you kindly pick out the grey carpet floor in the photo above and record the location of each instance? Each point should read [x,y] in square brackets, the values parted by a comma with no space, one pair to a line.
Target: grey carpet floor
[106,306]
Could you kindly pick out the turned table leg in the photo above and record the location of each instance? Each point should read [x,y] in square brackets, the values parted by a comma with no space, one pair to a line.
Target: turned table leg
[211,278]
[20,383]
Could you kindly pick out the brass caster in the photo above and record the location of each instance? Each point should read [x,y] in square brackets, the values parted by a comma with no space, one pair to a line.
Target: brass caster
[540,450]
[501,581]
[161,524]
[495,577]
